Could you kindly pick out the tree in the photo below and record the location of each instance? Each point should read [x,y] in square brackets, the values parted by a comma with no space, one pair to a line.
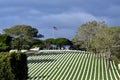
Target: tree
[5,42]
[52,43]
[37,43]
[87,32]
[60,42]
[48,42]
[106,39]
[23,34]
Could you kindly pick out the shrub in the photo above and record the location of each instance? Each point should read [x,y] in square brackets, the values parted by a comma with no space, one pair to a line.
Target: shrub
[13,66]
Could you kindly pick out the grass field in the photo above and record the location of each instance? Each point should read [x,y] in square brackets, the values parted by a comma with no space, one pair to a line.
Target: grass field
[70,65]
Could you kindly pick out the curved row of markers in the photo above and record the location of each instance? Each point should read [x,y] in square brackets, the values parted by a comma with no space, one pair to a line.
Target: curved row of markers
[71,66]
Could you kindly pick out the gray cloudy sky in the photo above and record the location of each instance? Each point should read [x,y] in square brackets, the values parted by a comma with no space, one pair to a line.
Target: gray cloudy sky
[66,15]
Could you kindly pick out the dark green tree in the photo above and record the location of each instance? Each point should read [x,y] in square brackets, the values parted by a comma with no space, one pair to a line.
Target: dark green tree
[5,42]
[37,43]
[48,42]
[23,33]
[60,42]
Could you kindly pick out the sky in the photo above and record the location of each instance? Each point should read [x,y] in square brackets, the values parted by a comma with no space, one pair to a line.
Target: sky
[66,15]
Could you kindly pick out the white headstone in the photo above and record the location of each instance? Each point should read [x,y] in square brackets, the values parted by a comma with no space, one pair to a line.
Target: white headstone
[119,66]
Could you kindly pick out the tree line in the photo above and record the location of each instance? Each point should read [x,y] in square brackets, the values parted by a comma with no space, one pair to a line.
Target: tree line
[91,36]
[26,37]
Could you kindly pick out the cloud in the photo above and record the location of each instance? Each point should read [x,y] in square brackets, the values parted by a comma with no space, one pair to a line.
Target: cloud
[67,15]
[67,19]
[67,22]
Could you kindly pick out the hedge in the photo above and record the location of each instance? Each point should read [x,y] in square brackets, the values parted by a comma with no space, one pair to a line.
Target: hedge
[13,66]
